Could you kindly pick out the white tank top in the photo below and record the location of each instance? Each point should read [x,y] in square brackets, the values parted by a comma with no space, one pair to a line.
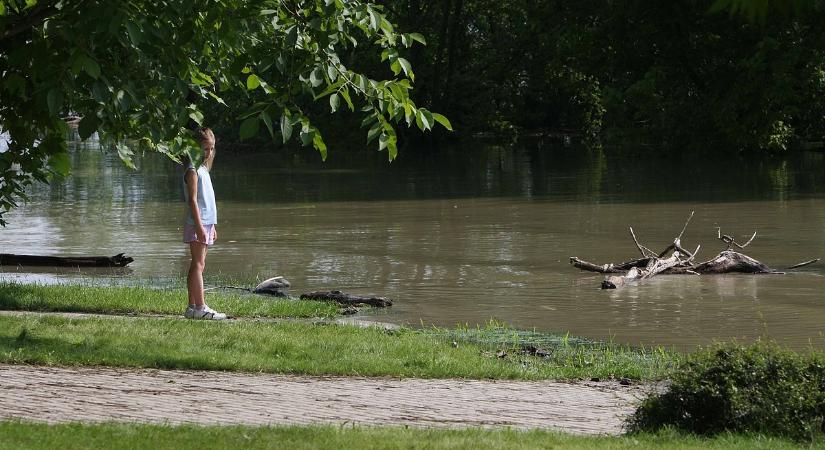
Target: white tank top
[206,197]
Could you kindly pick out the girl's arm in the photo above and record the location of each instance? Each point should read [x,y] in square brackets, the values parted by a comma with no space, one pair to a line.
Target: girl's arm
[192,189]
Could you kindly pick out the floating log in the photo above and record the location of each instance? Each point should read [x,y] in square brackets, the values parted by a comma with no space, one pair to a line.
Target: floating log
[347,299]
[118,260]
[680,262]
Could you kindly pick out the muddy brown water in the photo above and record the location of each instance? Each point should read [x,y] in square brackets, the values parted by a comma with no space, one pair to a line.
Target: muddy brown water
[466,234]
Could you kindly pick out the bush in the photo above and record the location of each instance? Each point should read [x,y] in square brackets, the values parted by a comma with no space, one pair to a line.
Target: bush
[760,388]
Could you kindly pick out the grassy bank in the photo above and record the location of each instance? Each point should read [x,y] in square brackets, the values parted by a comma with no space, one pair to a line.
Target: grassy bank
[24,435]
[143,300]
[304,348]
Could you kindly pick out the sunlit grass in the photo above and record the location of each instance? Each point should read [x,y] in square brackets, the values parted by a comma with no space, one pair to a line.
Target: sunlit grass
[24,435]
[145,300]
[574,356]
[302,348]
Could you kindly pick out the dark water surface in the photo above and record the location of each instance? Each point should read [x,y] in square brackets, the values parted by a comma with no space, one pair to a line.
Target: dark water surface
[465,234]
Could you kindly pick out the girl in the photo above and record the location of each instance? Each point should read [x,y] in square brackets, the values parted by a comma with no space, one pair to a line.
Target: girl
[199,230]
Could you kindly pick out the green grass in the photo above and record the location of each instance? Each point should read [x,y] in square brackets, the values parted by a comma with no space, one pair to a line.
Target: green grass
[24,435]
[144,300]
[300,348]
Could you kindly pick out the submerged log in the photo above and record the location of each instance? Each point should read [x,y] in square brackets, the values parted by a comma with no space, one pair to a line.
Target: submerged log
[729,261]
[118,260]
[608,268]
[680,262]
[347,299]
[654,267]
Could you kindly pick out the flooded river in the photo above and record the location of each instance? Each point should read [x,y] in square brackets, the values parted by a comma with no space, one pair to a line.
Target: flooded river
[467,234]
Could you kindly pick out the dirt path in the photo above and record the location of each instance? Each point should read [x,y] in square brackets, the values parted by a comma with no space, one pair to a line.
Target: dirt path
[55,394]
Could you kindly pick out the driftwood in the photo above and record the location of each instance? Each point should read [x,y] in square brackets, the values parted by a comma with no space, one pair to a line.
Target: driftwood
[680,261]
[343,298]
[118,260]
[276,286]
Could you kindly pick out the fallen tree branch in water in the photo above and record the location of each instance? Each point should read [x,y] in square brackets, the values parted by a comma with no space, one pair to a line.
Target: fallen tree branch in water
[680,262]
[7,259]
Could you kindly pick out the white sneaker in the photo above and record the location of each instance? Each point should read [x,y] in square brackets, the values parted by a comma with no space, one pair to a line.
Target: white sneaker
[206,313]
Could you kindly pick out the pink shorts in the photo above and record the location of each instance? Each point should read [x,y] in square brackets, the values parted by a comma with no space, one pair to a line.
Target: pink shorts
[190,234]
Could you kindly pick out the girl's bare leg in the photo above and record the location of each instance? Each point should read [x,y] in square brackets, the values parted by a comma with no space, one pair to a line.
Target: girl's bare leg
[194,281]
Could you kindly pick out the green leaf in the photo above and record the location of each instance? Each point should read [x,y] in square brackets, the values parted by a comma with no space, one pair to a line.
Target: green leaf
[409,113]
[345,94]
[443,121]
[392,147]
[87,127]
[316,77]
[252,82]
[407,68]
[91,67]
[374,132]
[249,128]
[318,143]
[334,102]
[375,19]
[286,127]
[332,72]
[134,32]
[386,26]
[382,141]
[330,89]
[196,116]
[268,122]
[292,36]
[307,137]
[418,37]
[125,154]
[60,163]
[217,99]
[426,119]
[55,100]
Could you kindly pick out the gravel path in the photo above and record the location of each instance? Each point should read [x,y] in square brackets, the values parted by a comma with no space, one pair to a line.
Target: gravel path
[58,394]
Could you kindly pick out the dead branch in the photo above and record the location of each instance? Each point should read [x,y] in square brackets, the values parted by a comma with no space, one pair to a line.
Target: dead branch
[802,264]
[685,227]
[731,241]
[608,268]
[680,261]
[641,247]
[590,267]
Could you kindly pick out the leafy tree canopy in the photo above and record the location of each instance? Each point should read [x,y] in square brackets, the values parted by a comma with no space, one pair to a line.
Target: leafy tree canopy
[138,72]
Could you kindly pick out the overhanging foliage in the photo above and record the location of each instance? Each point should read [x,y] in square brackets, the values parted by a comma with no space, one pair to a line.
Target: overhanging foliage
[140,71]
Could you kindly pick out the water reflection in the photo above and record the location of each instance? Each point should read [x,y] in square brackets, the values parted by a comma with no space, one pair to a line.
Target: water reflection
[463,235]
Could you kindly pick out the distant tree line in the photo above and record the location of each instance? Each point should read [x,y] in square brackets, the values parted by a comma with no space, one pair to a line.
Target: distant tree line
[743,75]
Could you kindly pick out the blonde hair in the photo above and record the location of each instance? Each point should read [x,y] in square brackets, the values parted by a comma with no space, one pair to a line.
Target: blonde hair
[202,135]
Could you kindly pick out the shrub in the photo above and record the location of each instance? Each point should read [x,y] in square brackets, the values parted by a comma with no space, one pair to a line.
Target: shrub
[760,388]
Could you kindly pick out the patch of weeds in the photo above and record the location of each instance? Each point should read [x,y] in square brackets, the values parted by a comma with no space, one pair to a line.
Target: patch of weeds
[536,352]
